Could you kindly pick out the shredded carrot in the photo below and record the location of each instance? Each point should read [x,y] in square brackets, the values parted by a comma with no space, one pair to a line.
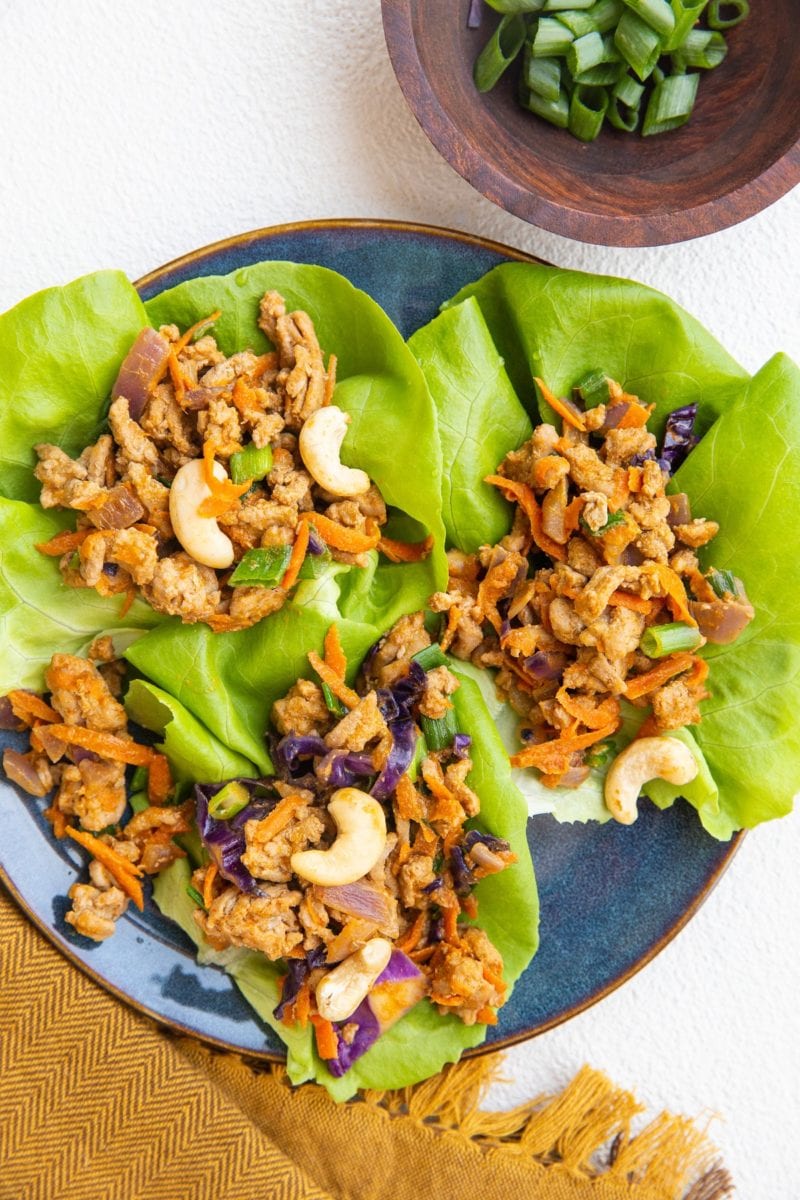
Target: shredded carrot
[553,757]
[25,706]
[486,1016]
[676,593]
[334,654]
[159,780]
[637,415]
[280,816]
[325,1037]
[453,618]
[422,956]
[224,623]
[524,496]
[107,745]
[591,713]
[627,600]
[699,673]
[469,905]
[224,493]
[302,1004]
[405,552]
[178,378]
[402,856]
[448,807]
[563,410]
[58,820]
[185,338]
[450,1001]
[648,728]
[338,537]
[572,515]
[297,558]
[494,979]
[702,588]
[450,923]
[648,681]
[124,871]
[62,543]
[411,937]
[408,801]
[635,479]
[330,381]
[208,884]
[521,641]
[130,596]
[547,471]
[339,688]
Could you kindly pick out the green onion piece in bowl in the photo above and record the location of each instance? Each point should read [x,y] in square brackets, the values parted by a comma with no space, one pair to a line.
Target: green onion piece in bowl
[562,5]
[552,39]
[670,104]
[593,389]
[439,733]
[657,13]
[584,53]
[724,14]
[499,52]
[228,801]
[687,13]
[701,48]
[660,640]
[587,112]
[516,6]
[254,462]
[554,111]
[263,566]
[629,91]
[332,703]
[621,115]
[638,43]
[605,74]
[432,656]
[542,75]
[602,17]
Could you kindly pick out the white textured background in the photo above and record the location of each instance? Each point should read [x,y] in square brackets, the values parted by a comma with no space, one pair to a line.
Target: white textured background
[135,131]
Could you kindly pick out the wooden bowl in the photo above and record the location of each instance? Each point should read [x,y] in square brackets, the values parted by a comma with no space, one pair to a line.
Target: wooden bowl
[739,153]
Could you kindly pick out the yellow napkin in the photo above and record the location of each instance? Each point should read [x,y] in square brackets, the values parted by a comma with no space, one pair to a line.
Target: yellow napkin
[96,1103]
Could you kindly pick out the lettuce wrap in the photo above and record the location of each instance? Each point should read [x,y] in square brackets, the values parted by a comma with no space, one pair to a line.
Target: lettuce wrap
[480,356]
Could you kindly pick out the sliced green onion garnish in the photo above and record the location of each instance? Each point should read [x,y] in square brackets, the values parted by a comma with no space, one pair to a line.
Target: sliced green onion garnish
[420,751]
[638,43]
[687,13]
[542,75]
[600,755]
[724,583]
[499,52]
[593,389]
[264,566]
[621,115]
[628,91]
[439,733]
[605,74]
[432,656]
[702,49]
[253,462]
[600,18]
[138,801]
[333,704]
[656,13]
[587,110]
[554,111]
[660,640]
[552,39]
[228,801]
[584,53]
[671,104]
[516,6]
[724,14]
[563,5]
[193,894]
[614,518]
[138,779]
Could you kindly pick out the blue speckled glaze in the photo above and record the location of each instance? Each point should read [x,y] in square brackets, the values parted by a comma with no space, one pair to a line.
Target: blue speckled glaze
[611,896]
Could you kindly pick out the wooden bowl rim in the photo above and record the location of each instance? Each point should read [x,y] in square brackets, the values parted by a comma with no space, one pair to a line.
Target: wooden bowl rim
[656,229]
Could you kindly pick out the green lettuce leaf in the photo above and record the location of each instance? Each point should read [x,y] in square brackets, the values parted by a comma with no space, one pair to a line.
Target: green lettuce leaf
[480,419]
[60,352]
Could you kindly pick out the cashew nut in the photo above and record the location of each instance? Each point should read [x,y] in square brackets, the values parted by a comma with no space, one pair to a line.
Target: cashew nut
[340,992]
[645,758]
[360,841]
[201,537]
[321,440]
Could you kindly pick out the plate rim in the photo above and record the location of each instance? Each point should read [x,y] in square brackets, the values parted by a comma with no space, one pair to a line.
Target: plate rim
[173,1024]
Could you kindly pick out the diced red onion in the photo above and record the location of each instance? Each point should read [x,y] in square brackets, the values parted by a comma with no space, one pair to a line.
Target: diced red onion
[7,718]
[121,510]
[721,621]
[614,415]
[21,771]
[197,399]
[358,900]
[680,512]
[461,745]
[317,546]
[574,777]
[141,369]
[545,664]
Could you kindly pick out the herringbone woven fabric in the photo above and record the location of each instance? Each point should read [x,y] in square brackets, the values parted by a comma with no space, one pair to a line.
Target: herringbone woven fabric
[97,1104]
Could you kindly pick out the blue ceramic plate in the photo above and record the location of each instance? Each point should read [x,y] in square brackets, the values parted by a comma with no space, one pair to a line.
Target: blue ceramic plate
[611,896]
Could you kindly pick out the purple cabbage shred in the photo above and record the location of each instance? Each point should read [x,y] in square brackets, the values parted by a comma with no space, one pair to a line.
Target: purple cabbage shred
[298,971]
[679,436]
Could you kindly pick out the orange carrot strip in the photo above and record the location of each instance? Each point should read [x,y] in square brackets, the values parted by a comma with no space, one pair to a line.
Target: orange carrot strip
[547,471]
[550,756]
[676,593]
[648,681]
[699,673]
[422,956]
[297,558]
[407,799]
[208,884]
[486,1016]
[453,618]
[130,596]
[529,504]
[62,543]
[591,713]
[280,816]
[627,600]
[330,381]
[563,410]
[635,479]
[25,705]
[338,537]
[572,515]
[334,654]
[185,338]
[449,1001]
[637,416]
[107,745]
[340,689]
[648,728]
[450,923]
[469,905]
[302,1004]
[221,489]
[159,779]
[411,937]
[405,552]
[325,1037]
[494,979]
[122,869]
[58,820]
[177,377]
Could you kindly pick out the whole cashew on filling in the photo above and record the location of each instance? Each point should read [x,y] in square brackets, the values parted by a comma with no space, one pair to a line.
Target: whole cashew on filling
[360,841]
[201,537]
[644,759]
[320,444]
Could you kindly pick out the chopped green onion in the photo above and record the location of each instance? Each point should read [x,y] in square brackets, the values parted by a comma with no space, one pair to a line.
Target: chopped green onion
[601,754]
[593,389]
[439,733]
[587,111]
[516,6]
[657,13]
[499,52]
[193,894]
[638,43]
[724,14]
[139,802]
[333,704]
[687,13]
[265,565]
[254,462]
[554,111]
[629,92]
[228,801]
[603,75]
[584,53]
[552,39]
[670,104]
[420,751]
[614,518]
[702,49]
[621,115]
[432,656]
[562,5]
[542,75]
[724,583]
[600,18]
[138,779]
[660,640]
